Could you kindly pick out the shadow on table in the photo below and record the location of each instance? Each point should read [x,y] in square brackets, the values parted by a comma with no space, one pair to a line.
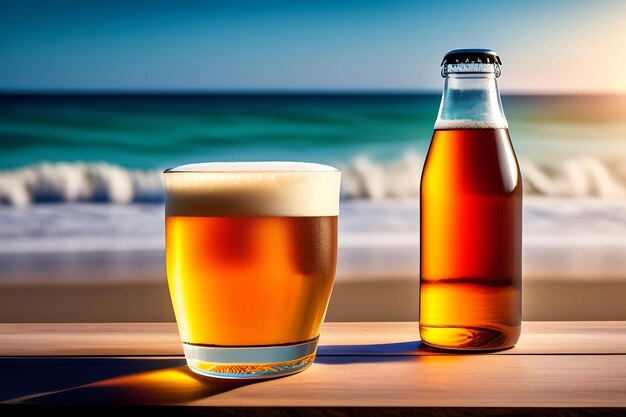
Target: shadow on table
[84,380]
[384,352]
[167,385]
[22,376]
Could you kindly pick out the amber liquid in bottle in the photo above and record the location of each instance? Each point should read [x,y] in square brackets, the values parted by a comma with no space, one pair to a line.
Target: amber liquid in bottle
[471,211]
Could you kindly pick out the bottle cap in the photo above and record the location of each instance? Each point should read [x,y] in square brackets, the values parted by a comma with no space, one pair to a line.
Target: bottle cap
[469,56]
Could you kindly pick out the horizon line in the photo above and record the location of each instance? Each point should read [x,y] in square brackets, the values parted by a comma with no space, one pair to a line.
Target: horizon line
[284,91]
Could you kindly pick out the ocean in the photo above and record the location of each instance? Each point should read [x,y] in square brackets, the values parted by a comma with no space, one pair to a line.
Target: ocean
[82,173]
[110,147]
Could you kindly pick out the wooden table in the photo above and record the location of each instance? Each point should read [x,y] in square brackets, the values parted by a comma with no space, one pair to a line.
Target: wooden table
[378,369]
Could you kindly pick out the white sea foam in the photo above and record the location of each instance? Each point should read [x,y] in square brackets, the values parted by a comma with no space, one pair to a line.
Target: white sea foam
[576,177]
[393,224]
[78,182]
[362,177]
[252,189]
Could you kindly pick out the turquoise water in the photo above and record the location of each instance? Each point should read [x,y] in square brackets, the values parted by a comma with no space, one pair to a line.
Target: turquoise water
[157,131]
[154,131]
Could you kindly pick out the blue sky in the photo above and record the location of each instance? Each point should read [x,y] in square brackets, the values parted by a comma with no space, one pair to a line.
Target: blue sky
[555,46]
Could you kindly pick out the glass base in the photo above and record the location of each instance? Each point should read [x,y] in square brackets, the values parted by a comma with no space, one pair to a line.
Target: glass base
[250,362]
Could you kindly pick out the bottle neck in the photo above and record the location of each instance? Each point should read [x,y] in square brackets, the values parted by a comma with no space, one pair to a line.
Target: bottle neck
[471,101]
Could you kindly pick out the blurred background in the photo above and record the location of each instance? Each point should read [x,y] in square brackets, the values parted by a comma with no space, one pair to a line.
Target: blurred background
[98,97]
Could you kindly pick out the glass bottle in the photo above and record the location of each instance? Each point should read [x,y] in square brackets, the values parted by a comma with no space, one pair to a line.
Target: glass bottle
[471,214]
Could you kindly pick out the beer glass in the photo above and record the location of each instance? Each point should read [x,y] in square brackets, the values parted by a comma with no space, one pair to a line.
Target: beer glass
[471,214]
[251,251]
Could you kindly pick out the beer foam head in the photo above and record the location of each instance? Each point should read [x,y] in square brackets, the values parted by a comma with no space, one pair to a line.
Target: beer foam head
[470,124]
[222,189]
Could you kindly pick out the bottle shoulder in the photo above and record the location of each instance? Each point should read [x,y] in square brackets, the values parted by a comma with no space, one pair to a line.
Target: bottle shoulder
[471,103]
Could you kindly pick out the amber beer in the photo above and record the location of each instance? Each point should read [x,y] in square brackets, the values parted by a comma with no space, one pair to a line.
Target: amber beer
[471,216]
[251,255]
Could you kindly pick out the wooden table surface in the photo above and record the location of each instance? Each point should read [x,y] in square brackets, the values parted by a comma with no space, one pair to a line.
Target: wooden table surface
[558,368]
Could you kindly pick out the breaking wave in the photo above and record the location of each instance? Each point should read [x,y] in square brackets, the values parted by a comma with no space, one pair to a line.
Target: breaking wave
[69,182]
[362,177]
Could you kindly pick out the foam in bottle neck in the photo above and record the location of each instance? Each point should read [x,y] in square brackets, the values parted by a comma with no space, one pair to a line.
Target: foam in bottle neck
[470,124]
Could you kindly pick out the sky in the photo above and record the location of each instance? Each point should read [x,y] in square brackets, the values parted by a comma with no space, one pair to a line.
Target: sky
[546,46]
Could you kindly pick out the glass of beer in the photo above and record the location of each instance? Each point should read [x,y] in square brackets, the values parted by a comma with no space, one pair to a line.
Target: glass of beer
[251,251]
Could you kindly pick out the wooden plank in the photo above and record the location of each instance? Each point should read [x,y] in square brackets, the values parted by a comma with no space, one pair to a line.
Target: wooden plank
[440,381]
[591,337]
[460,381]
[41,339]
[377,339]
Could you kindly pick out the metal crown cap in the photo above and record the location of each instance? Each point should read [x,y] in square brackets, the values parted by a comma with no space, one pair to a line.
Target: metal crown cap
[479,56]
